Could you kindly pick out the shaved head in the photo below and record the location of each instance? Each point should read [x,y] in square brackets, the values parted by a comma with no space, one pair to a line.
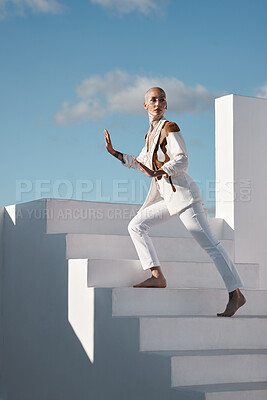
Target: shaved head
[155,88]
[155,102]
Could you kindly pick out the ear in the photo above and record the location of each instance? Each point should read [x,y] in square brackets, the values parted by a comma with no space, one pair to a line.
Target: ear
[145,105]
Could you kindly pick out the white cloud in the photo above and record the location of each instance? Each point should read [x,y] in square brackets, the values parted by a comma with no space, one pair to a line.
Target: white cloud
[127,6]
[19,7]
[262,91]
[119,92]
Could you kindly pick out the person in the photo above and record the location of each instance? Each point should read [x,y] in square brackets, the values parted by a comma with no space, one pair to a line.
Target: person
[172,192]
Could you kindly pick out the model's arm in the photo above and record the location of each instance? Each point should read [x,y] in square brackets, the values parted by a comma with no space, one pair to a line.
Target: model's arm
[109,147]
[149,172]
[126,159]
[177,148]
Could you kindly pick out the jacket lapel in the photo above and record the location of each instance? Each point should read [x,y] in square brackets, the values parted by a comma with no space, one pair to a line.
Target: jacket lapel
[156,134]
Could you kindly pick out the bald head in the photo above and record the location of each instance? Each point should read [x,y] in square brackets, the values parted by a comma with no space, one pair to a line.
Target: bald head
[152,90]
[155,102]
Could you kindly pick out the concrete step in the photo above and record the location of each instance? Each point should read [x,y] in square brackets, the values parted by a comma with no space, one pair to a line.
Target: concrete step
[179,274]
[74,216]
[121,247]
[193,369]
[174,302]
[202,333]
[204,369]
[229,391]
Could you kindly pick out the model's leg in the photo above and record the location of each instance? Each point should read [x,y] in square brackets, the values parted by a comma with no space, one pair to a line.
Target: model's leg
[195,220]
[138,229]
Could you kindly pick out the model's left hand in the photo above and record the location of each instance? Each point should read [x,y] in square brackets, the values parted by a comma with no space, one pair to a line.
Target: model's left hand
[149,172]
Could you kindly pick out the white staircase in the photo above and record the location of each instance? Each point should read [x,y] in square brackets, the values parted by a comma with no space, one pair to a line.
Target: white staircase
[221,358]
[148,343]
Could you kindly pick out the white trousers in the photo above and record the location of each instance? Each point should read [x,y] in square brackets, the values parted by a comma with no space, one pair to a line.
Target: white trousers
[195,220]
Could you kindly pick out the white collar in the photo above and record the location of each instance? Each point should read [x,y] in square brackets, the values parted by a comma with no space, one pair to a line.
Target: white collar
[154,131]
[154,120]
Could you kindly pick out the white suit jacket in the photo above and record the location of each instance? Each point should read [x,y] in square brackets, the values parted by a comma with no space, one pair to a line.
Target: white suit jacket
[168,150]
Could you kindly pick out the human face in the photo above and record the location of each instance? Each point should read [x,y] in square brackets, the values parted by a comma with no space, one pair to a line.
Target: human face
[155,103]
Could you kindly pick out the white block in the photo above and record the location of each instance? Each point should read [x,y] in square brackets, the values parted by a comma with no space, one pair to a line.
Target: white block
[74,216]
[241,192]
[229,391]
[202,333]
[238,395]
[115,273]
[121,247]
[211,369]
[167,302]
[2,213]
[126,273]
[206,275]
[81,305]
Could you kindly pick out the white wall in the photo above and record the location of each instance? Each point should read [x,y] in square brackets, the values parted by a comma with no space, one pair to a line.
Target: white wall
[1,290]
[46,312]
[241,189]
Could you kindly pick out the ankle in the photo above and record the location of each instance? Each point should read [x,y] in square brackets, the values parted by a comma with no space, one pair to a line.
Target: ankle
[156,272]
[236,291]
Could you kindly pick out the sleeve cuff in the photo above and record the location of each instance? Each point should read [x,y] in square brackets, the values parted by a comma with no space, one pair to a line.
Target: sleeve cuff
[167,170]
[166,173]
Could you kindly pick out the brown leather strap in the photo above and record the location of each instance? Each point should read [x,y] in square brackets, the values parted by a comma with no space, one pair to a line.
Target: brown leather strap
[173,187]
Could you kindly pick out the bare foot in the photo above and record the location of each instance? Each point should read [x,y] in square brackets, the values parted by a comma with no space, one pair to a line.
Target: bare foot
[236,300]
[153,282]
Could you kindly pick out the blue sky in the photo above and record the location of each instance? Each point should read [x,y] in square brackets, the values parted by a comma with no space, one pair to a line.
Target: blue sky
[69,69]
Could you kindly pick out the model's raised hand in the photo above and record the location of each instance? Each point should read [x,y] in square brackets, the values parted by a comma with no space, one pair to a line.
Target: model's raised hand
[108,142]
[109,147]
[149,172]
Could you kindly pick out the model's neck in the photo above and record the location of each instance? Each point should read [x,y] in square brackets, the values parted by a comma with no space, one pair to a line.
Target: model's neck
[153,118]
